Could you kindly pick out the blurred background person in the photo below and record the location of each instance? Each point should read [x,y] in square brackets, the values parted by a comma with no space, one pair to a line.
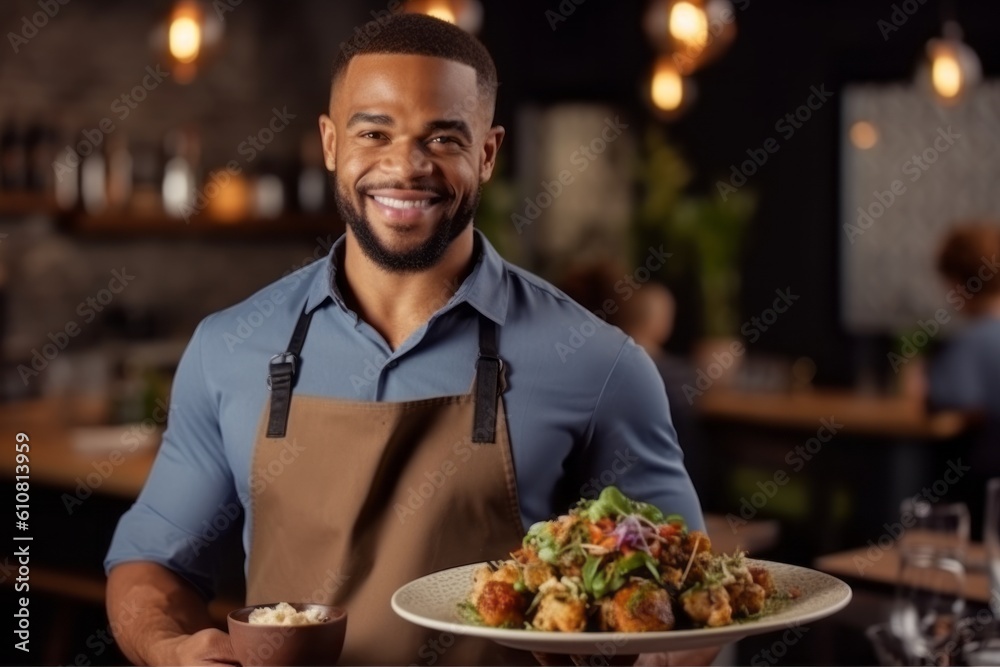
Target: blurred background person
[965,374]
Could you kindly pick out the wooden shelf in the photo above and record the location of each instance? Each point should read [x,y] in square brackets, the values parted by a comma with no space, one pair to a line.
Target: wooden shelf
[131,226]
[18,204]
[890,416]
[137,225]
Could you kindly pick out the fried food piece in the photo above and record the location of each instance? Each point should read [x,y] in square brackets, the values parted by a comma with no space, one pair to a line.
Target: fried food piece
[537,573]
[559,610]
[500,605]
[677,548]
[480,577]
[534,571]
[746,598]
[697,540]
[640,606]
[762,577]
[708,606]
[508,573]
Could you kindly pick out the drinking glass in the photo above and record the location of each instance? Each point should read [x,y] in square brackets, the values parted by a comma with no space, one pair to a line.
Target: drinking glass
[986,650]
[991,541]
[930,593]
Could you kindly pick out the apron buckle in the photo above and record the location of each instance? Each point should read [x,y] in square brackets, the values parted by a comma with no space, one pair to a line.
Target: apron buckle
[281,364]
[500,368]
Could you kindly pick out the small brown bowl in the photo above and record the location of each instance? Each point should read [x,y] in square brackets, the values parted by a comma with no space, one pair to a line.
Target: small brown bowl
[267,645]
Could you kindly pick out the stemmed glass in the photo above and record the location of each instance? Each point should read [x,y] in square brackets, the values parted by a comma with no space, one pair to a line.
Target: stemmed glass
[930,595]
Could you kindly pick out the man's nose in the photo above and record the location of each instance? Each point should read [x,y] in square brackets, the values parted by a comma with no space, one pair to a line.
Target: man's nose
[407,160]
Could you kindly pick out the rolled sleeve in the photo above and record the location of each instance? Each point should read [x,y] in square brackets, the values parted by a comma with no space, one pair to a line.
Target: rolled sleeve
[189,499]
[633,444]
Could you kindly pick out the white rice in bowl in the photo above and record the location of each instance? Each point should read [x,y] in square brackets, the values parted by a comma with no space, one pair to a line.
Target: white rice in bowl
[285,614]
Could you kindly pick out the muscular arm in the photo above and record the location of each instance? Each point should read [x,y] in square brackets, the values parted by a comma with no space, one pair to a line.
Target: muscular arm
[159,619]
[159,616]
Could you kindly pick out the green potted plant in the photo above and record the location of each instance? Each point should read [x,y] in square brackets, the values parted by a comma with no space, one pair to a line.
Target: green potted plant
[704,232]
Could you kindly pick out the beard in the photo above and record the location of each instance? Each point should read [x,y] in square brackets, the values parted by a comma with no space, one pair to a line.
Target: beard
[421,258]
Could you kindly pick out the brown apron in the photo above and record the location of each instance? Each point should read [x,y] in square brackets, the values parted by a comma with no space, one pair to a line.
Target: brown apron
[353,499]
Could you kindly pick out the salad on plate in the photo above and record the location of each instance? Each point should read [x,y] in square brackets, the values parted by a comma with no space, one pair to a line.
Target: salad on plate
[618,565]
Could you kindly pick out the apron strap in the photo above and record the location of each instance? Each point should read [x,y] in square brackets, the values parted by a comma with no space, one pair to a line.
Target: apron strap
[281,377]
[488,368]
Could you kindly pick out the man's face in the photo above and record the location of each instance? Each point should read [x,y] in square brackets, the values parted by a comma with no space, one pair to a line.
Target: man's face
[410,145]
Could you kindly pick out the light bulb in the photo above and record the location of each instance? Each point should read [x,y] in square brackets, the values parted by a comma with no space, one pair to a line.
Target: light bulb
[689,24]
[667,88]
[952,67]
[441,10]
[184,39]
[466,14]
[946,74]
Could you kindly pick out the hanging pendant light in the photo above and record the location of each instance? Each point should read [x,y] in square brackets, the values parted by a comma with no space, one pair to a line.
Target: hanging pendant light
[951,68]
[695,31]
[670,92]
[466,14]
[188,37]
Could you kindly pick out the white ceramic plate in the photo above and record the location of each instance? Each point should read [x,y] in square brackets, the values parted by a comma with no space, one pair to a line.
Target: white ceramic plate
[432,602]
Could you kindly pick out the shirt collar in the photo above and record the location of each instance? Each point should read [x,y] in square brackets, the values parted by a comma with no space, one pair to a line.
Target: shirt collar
[485,289]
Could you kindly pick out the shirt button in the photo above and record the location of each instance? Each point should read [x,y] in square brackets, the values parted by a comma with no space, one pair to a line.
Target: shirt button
[392,364]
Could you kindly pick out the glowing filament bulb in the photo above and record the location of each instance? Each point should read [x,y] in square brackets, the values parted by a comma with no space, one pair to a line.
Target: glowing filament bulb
[668,87]
[946,74]
[184,39]
[689,24]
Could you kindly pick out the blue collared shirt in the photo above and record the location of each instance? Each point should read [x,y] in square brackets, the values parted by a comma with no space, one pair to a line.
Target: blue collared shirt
[585,405]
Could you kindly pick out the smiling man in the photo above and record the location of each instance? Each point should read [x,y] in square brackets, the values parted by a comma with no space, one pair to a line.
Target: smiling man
[403,410]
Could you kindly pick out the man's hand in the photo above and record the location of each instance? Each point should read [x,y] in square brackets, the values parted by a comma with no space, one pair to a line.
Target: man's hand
[159,619]
[205,647]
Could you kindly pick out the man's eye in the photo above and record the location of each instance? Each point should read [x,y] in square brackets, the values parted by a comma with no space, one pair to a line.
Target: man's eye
[444,140]
[372,135]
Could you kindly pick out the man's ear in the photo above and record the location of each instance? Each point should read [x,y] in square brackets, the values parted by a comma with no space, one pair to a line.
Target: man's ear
[491,147]
[328,134]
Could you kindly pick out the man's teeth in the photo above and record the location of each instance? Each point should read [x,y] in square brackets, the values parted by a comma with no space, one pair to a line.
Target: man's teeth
[403,203]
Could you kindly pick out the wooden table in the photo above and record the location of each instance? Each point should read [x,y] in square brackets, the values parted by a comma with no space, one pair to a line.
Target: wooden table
[862,414]
[56,462]
[881,567]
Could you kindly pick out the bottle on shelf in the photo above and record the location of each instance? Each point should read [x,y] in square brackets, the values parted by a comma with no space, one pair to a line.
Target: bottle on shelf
[120,173]
[180,173]
[65,169]
[94,182]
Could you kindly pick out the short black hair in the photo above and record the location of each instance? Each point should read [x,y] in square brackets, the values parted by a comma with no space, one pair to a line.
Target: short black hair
[421,35]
